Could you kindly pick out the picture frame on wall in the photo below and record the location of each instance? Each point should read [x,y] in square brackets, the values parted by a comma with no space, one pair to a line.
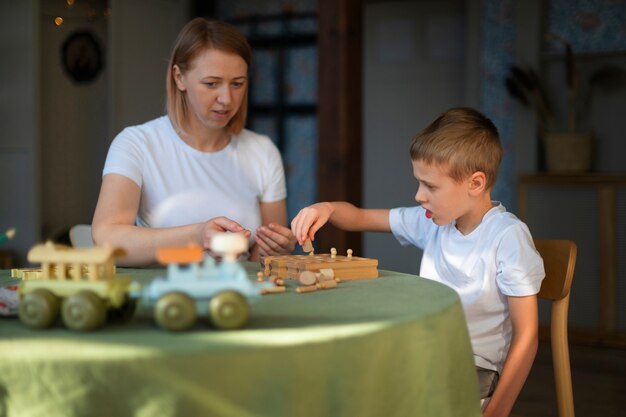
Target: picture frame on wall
[81,57]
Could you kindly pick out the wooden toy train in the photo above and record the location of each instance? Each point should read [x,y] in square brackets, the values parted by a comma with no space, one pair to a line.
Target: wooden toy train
[82,287]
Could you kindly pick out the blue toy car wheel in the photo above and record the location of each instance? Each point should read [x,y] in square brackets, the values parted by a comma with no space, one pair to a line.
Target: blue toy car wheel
[175,311]
[229,310]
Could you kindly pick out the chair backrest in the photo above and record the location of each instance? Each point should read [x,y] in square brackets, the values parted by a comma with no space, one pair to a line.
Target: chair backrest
[80,236]
[559,260]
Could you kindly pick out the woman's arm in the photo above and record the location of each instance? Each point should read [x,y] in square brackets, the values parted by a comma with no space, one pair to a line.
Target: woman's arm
[342,215]
[114,223]
[273,237]
[525,322]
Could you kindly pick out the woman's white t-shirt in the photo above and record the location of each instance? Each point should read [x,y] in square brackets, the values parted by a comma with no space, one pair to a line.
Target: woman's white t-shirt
[181,185]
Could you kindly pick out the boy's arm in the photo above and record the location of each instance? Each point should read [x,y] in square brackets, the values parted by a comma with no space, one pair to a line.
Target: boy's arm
[342,215]
[525,322]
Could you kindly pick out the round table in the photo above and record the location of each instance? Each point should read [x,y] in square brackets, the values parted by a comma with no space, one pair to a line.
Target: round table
[393,346]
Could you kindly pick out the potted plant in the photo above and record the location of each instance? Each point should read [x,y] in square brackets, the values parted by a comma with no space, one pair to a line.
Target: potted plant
[568,141]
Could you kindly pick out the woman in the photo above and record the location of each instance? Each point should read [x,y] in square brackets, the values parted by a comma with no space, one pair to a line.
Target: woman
[172,180]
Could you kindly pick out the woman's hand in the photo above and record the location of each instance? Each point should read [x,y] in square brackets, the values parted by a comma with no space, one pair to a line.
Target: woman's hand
[219,225]
[274,239]
[310,220]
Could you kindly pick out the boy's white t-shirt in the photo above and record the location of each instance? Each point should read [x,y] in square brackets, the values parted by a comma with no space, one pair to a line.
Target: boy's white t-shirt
[181,185]
[496,260]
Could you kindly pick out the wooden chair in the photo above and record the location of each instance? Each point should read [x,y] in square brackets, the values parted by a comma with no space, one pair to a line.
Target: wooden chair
[80,236]
[559,259]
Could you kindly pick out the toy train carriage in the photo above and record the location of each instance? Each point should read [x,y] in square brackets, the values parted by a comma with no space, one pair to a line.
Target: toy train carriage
[79,284]
[343,267]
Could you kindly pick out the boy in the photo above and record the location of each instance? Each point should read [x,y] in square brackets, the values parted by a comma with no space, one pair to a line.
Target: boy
[469,243]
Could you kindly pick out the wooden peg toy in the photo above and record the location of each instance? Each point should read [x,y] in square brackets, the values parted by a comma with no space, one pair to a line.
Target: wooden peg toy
[307,278]
[349,253]
[327,284]
[259,276]
[273,290]
[342,266]
[307,288]
[307,246]
[325,274]
[333,253]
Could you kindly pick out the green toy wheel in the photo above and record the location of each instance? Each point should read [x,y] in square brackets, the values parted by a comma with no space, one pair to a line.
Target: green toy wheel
[39,309]
[175,311]
[229,310]
[83,311]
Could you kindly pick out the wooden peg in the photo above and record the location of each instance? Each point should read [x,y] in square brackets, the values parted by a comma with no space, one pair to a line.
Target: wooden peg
[272,290]
[307,246]
[349,253]
[306,288]
[325,274]
[259,276]
[307,278]
[325,285]
[333,253]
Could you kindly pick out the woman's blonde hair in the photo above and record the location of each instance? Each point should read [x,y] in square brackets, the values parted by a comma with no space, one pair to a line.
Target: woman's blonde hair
[464,140]
[198,36]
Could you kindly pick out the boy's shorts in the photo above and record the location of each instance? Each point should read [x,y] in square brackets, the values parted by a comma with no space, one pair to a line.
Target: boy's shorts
[487,381]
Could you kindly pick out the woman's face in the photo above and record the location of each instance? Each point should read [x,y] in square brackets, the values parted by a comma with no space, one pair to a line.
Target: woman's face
[215,84]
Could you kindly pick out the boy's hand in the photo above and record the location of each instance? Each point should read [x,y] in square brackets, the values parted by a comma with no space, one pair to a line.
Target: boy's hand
[310,220]
[274,239]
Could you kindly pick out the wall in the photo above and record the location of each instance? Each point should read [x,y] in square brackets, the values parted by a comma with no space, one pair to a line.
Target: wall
[458,53]
[19,116]
[142,35]
[79,120]
[414,69]
[56,133]
[74,137]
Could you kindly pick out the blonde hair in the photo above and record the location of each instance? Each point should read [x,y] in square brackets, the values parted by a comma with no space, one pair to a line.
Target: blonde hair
[464,140]
[197,36]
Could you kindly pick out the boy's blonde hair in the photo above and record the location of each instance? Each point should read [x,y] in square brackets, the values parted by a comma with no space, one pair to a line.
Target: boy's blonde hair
[464,140]
[197,36]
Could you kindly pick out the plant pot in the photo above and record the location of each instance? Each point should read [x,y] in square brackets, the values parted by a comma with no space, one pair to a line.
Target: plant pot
[568,152]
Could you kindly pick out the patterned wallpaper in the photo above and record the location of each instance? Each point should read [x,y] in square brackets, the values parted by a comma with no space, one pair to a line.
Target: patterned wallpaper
[590,26]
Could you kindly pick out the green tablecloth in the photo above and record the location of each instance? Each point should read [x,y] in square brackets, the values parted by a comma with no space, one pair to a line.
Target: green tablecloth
[393,346]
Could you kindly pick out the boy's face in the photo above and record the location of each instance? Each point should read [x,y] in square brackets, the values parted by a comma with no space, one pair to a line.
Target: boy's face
[444,199]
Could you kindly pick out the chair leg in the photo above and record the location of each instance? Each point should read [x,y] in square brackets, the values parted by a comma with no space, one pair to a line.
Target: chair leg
[560,358]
